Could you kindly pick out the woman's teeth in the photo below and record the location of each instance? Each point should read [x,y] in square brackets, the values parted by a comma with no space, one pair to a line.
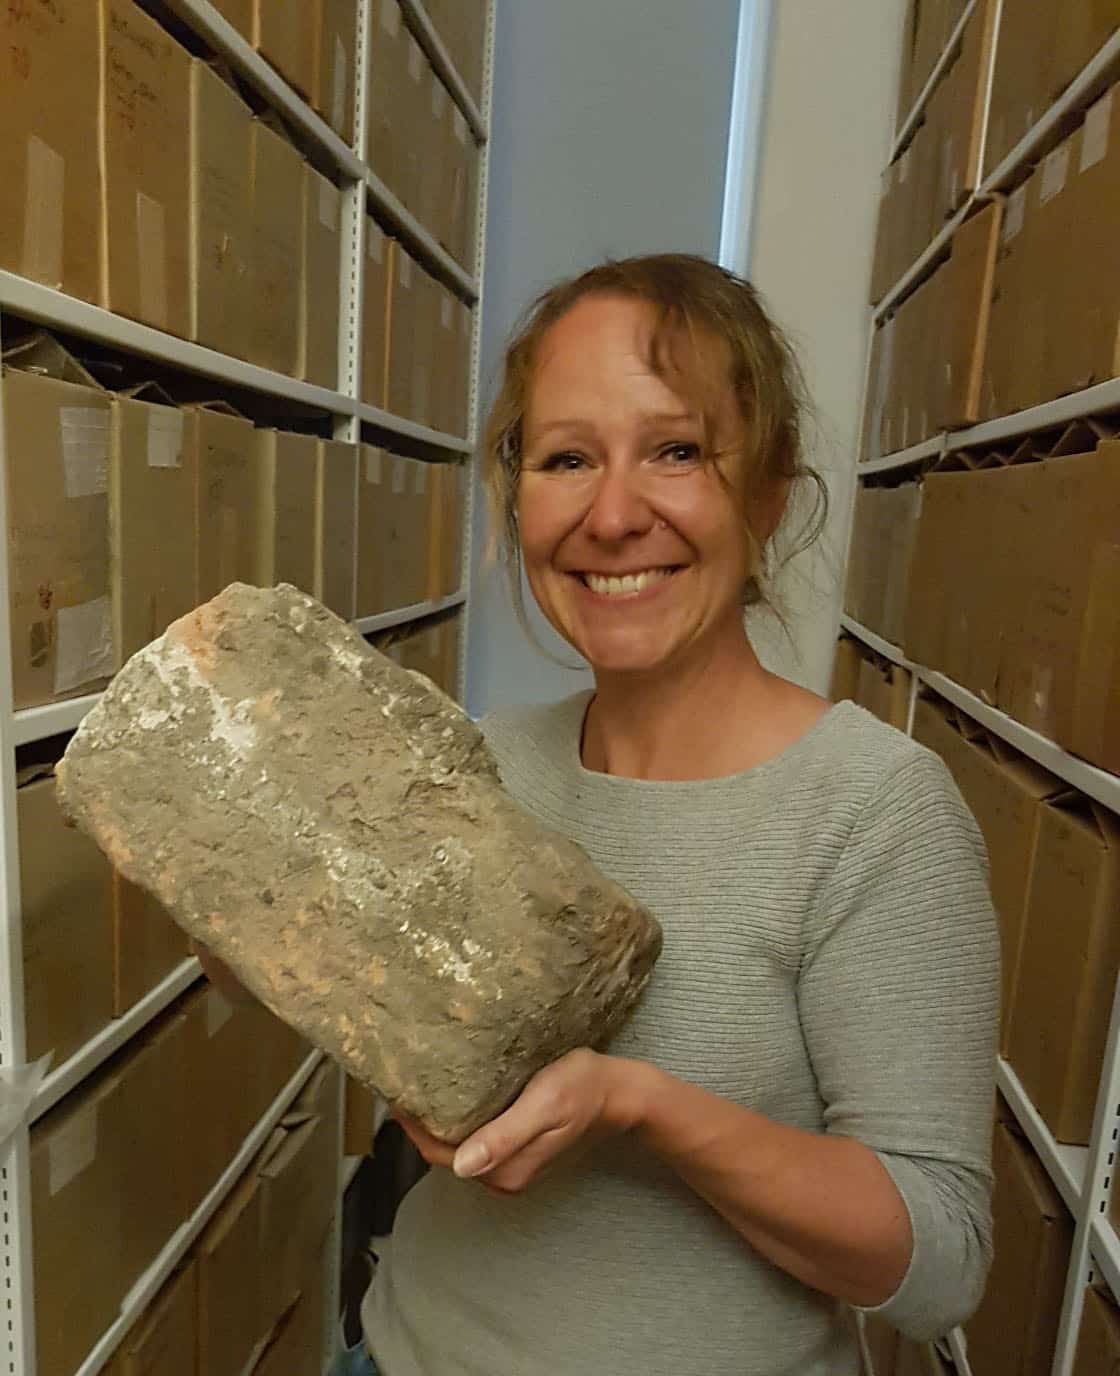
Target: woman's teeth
[628,584]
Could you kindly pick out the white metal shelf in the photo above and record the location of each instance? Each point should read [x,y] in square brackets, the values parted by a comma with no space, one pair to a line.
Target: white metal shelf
[149,1285]
[113,1036]
[904,458]
[1097,784]
[942,64]
[1105,1248]
[384,621]
[411,429]
[1066,1165]
[421,25]
[418,238]
[923,264]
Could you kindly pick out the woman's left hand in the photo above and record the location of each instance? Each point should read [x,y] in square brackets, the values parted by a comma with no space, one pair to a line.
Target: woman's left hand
[569,1105]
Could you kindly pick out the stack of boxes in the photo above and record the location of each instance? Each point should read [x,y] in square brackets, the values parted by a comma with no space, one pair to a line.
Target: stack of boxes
[141,178]
[998,566]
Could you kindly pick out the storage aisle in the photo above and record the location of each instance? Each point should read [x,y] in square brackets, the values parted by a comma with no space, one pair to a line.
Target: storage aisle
[240,260]
[982,609]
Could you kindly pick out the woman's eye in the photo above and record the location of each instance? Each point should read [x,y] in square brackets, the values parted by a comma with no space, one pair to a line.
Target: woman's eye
[681,455]
[562,463]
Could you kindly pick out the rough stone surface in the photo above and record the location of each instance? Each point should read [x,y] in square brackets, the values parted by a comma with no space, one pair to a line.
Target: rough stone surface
[332,826]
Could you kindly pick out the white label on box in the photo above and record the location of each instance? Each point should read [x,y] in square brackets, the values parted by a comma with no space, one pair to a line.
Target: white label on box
[404,270]
[375,241]
[439,97]
[391,17]
[328,205]
[1094,136]
[219,1010]
[85,450]
[373,466]
[1054,172]
[415,59]
[400,475]
[72,1149]
[458,119]
[421,479]
[446,314]
[1014,214]
[43,212]
[165,437]
[338,91]
[84,650]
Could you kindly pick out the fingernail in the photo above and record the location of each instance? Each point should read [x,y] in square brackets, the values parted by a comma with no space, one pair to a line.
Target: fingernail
[472,1158]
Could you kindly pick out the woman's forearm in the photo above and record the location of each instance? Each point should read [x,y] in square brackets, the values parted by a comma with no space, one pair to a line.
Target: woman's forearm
[822,1208]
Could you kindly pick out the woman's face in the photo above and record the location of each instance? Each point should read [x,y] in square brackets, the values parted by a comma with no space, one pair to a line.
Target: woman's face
[632,544]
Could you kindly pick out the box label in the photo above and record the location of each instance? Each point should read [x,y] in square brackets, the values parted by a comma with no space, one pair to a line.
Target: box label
[328,205]
[373,466]
[72,1149]
[404,270]
[446,314]
[1055,170]
[1015,213]
[338,92]
[151,256]
[421,479]
[165,438]
[1094,135]
[43,212]
[375,242]
[400,475]
[85,450]
[84,651]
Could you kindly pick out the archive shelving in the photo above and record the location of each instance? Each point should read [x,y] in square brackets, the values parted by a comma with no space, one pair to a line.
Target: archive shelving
[1083,1176]
[351,419]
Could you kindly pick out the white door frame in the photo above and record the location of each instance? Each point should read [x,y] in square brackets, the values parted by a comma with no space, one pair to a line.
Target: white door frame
[744,140]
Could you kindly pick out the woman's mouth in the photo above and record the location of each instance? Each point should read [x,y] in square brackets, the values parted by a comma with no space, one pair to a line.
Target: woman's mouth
[626,584]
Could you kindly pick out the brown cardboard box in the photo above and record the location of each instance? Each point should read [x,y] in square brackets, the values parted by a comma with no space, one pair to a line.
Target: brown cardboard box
[412,114]
[145,147]
[1095,732]
[228,524]
[359,1119]
[230,1328]
[147,945]
[152,480]
[239,13]
[446,516]
[956,111]
[408,535]
[57,449]
[845,670]
[934,574]
[77,1157]
[388,119]
[163,1341]
[336,525]
[1098,1343]
[287,482]
[965,288]
[375,497]
[1020,78]
[50,199]
[1005,792]
[333,88]
[221,133]
[403,329]
[450,635]
[322,275]
[464,192]
[1016,1326]
[286,34]
[375,308]
[276,259]
[1068,964]
[884,690]
[65,919]
[462,26]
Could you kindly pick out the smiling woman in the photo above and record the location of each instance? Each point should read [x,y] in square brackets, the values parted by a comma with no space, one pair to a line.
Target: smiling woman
[795,1121]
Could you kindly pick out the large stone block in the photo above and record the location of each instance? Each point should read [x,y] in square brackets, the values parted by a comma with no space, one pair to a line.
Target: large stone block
[332,826]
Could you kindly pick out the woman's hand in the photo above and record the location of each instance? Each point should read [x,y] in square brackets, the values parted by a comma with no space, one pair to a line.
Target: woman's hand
[577,1101]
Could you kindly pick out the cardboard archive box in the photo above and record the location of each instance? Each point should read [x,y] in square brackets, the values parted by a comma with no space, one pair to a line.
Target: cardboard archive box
[394,100]
[147,945]
[65,906]
[163,1340]
[1016,1327]
[1006,793]
[145,147]
[221,138]
[50,196]
[57,437]
[153,549]
[229,1283]
[221,446]
[374,498]
[332,92]
[107,1190]
[1098,1343]
[297,1342]
[240,15]
[447,514]
[1068,964]
[465,160]
[375,314]
[433,650]
[287,481]
[462,25]
[883,689]
[394,512]
[406,334]
[336,496]
[322,279]
[286,34]
[277,256]
[845,670]
[884,532]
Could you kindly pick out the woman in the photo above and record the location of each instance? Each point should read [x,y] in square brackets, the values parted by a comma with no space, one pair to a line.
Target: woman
[796,1119]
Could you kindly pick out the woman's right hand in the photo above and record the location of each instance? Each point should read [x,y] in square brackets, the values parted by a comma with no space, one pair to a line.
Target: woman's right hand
[220,975]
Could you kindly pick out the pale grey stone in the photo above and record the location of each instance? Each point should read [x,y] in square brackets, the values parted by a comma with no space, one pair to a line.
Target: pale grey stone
[332,826]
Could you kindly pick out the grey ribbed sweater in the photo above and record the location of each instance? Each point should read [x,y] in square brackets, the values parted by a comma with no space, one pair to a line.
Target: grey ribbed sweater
[830,960]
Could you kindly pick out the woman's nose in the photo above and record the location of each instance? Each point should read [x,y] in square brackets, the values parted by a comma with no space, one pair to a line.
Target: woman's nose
[619,507]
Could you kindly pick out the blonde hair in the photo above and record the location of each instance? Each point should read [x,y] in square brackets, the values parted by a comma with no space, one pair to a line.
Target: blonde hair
[694,300]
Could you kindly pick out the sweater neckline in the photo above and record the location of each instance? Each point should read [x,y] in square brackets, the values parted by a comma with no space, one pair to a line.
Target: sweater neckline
[572,735]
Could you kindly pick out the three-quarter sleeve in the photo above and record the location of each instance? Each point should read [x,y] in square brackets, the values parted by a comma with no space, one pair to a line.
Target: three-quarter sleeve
[898,995]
